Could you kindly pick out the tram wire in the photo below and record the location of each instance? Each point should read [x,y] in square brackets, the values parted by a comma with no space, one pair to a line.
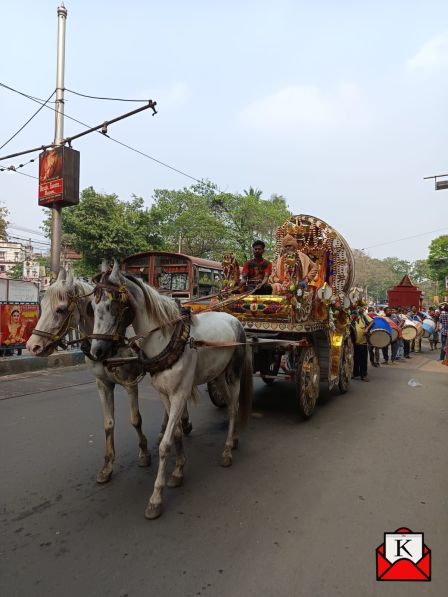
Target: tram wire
[104,135]
[28,121]
[112,99]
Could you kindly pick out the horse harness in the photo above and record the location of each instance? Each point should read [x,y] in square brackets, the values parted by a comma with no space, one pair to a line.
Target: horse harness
[56,338]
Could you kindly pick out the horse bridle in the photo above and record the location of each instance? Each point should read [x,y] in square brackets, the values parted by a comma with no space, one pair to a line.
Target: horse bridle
[56,338]
[120,295]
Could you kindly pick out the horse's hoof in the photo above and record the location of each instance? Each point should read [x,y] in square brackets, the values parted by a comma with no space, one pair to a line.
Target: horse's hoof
[153,511]
[103,477]
[175,481]
[235,443]
[144,459]
[187,428]
[226,461]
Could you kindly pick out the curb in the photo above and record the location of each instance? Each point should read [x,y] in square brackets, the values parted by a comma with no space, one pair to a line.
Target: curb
[25,364]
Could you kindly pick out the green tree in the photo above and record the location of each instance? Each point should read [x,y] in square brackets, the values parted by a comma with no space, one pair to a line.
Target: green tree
[3,223]
[438,259]
[253,192]
[102,226]
[16,272]
[206,222]
[187,220]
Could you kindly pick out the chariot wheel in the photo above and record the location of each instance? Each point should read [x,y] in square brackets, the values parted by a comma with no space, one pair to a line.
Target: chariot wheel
[346,366]
[215,396]
[308,380]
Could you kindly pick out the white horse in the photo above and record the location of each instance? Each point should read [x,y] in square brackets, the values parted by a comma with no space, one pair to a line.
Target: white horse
[175,364]
[66,305]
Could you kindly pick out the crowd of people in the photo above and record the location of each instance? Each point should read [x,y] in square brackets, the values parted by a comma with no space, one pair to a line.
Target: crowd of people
[399,348]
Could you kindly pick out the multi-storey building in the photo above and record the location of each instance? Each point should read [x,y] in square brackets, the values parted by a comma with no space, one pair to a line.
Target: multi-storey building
[12,253]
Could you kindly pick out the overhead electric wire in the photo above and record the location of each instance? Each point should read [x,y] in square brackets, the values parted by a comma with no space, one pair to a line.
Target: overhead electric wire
[109,137]
[12,169]
[41,242]
[28,121]
[404,238]
[112,99]
[30,230]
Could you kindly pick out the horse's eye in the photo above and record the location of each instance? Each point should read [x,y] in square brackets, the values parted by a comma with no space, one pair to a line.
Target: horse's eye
[61,310]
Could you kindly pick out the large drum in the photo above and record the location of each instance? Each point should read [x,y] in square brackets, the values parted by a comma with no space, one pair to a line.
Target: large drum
[429,325]
[409,330]
[419,327]
[395,329]
[380,334]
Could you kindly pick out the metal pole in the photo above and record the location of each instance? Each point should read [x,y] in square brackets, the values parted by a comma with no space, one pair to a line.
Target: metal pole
[56,223]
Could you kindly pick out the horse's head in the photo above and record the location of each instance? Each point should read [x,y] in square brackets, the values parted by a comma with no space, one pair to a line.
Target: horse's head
[113,309]
[59,313]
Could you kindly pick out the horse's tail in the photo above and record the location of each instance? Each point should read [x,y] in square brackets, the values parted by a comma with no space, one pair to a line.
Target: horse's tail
[246,387]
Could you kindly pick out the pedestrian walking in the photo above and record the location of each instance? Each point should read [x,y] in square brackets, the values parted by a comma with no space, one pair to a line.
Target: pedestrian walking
[443,327]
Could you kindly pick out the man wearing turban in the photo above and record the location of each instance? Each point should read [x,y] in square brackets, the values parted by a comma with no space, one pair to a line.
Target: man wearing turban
[305,269]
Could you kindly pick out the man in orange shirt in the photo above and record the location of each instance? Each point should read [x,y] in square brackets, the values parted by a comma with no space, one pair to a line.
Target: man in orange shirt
[256,271]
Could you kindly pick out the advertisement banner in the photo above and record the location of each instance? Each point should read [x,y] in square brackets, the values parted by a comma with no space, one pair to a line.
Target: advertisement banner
[16,324]
[59,177]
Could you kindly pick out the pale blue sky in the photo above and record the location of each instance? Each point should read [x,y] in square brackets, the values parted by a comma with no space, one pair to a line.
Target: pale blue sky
[338,105]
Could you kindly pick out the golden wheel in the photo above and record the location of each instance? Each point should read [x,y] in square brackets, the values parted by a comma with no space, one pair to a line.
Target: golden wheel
[308,381]
[346,366]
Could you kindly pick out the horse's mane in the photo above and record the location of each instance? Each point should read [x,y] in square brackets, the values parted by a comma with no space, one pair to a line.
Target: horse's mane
[60,292]
[162,308]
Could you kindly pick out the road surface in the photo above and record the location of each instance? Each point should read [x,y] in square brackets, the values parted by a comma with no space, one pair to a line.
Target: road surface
[300,513]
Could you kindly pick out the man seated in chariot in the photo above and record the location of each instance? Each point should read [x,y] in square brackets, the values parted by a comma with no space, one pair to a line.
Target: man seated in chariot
[293,270]
[256,271]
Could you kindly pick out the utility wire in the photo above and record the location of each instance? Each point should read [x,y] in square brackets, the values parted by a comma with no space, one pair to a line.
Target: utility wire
[109,137]
[28,121]
[13,169]
[404,238]
[12,226]
[112,99]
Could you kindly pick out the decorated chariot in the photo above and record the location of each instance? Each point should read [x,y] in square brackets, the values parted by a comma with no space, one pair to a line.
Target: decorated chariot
[302,333]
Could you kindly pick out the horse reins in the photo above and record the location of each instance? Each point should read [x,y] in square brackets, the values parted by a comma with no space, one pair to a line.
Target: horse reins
[56,338]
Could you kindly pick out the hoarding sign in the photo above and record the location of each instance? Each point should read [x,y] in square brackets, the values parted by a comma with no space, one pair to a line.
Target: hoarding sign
[59,177]
[17,323]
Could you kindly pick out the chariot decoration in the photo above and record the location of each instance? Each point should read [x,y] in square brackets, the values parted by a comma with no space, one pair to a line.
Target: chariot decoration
[313,316]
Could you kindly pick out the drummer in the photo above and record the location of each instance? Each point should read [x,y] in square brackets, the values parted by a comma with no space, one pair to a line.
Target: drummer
[416,344]
[391,314]
[359,327]
[374,351]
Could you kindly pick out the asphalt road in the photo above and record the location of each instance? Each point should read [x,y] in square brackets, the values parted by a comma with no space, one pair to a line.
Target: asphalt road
[300,513]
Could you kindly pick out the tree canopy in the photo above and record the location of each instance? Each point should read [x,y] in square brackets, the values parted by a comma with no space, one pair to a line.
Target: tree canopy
[378,275]
[3,223]
[205,222]
[438,259]
[102,226]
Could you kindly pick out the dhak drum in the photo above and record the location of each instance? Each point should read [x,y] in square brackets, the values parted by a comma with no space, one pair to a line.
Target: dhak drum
[419,327]
[409,330]
[380,334]
[429,325]
[395,330]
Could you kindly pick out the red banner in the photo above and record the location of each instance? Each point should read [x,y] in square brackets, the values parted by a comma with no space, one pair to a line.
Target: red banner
[16,324]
